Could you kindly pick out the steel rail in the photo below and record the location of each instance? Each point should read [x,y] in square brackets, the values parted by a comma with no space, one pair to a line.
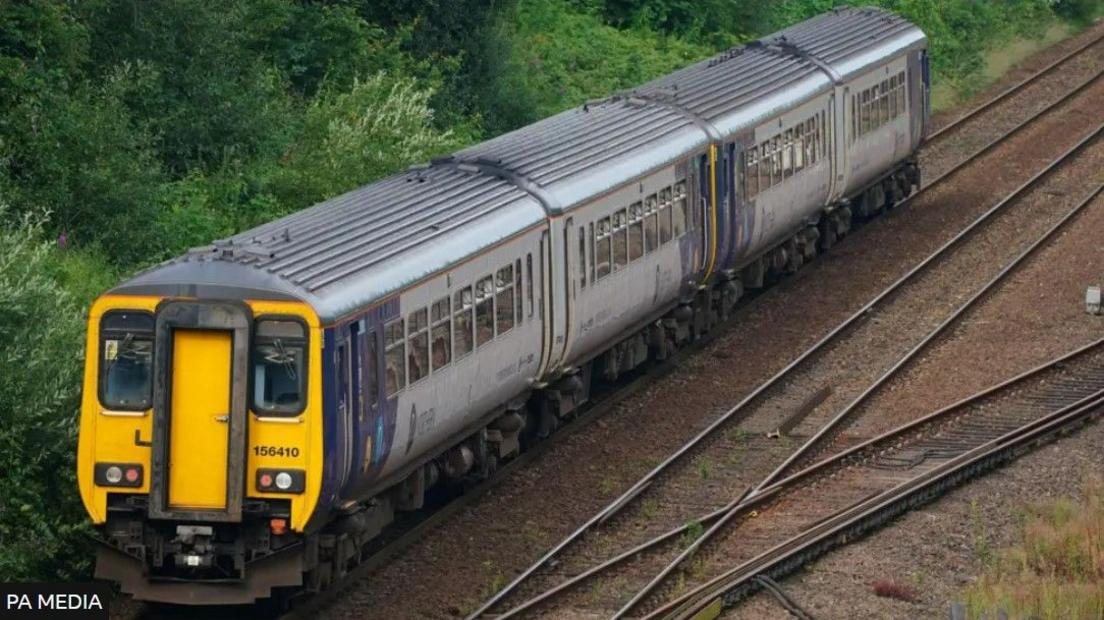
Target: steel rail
[1011,90]
[832,425]
[826,431]
[635,490]
[889,438]
[772,562]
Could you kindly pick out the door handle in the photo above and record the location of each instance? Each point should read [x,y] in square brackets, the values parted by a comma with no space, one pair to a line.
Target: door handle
[222,418]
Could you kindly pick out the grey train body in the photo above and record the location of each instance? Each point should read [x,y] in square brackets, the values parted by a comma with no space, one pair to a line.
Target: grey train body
[468,303]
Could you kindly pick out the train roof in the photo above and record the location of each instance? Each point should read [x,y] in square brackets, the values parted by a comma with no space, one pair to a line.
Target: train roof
[359,247]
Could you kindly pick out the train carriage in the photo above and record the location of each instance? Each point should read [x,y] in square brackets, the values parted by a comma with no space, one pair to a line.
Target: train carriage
[255,411]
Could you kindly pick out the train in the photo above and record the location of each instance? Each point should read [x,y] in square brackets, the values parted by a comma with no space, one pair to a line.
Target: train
[257,411]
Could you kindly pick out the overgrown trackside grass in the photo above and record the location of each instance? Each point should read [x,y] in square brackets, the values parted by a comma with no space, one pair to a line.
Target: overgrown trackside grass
[1056,569]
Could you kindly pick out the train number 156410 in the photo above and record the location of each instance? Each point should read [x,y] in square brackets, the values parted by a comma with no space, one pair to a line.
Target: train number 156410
[290,451]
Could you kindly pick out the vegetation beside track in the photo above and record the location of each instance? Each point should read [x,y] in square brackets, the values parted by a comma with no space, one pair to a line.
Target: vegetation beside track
[1055,569]
[132,131]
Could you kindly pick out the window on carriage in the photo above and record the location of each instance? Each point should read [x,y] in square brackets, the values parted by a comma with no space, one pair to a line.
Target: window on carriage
[902,84]
[620,240]
[679,215]
[394,357]
[418,346]
[636,231]
[788,153]
[371,368]
[809,142]
[884,105]
[582,257]
[279,351]
[651,224]
[440,333]
[529,281]
[590,240]
[664,219]
[484,311]
[799,147]
[126,360]
[504,299]
[463,326]
[854,117]
[517,289]
[751,172]
[602,248]
[776,161]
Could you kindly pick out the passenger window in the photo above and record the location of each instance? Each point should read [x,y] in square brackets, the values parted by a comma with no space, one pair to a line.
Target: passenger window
[484,311]
[751,172]
[462,322]
[787,154]
[343,376]
[418,324]
[664,223]
[582,257]
[651,224]
[602,253]
[126,360]
[441,335]
[529,281]
[279,351]
[517,287]
[620,237]
[505,299]
[678,211]
[394,354]
[590,240]
[636,231]
[799,147]
[371,368]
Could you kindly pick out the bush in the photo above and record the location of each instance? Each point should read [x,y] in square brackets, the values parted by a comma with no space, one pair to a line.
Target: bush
[378,127]
[41,520]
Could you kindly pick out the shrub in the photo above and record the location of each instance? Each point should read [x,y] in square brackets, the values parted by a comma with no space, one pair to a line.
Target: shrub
[41,520]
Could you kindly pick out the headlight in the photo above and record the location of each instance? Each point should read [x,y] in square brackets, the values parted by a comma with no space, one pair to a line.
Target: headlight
[281,480]
[118,475]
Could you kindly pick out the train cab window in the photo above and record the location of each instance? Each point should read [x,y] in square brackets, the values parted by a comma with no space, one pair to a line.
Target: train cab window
[651,224]
[504,300]
[462,308]
[418,345]
[751,172]
[126,360]
[484,311]
[678,207]
[602,248]
[279,347]
[441,334]
[394,357]
[620,240]
[664,221]
[636,231]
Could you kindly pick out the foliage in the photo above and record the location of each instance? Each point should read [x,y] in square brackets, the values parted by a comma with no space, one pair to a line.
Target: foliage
[41,523]
[1056,570]
[144,128]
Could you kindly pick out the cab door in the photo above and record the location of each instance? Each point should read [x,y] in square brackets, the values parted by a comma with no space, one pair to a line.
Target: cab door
[200,377]
[199,418]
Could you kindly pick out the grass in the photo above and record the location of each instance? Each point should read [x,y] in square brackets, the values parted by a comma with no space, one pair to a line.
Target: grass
[1056,569]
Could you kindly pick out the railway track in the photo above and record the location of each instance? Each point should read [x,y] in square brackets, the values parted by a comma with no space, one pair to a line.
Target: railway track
[905,467]
[721,521]
[380,554]
[789,412]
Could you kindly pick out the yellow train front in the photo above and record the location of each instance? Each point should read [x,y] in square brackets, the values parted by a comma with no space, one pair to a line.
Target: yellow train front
[200,452]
